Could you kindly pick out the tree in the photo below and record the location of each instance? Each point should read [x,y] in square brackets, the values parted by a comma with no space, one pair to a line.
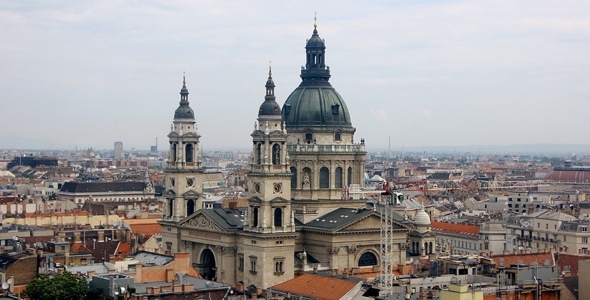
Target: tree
[63,286]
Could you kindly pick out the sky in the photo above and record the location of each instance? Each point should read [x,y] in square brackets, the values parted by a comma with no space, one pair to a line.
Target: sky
[80,74]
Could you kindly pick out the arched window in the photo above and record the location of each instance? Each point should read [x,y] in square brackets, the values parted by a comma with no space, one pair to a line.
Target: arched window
[337,137]
[259,154]
[255,217]
[293,177]
[276,154]
[338,179]
[308,137]
[324,178]
[173,154]
[170,207]
[349,176]
[278,219]
[189,152]
[190,207]
[367,259]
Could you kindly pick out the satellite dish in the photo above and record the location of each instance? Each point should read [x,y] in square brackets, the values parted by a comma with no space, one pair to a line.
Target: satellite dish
[5,286]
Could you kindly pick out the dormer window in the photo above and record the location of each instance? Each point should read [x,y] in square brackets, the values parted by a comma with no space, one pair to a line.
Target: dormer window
[308,136]
[337,137]
[335,109]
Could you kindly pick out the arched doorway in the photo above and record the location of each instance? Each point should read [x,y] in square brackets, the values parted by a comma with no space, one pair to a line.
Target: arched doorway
[367,259]
[206,266]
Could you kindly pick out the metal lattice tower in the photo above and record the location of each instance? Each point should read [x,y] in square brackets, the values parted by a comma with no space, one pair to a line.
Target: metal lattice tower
[386,277]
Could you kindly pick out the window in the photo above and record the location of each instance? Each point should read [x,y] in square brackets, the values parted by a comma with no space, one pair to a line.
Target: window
[308,137]
[279,261]
[324,178]
[241,262]
[585,240]
[546,226]
[584,228]
[293,177]
[276,154]
[255,217]
[278,217]
[338,179]
[349,176]
[337,137]
[253,260]
[335,109]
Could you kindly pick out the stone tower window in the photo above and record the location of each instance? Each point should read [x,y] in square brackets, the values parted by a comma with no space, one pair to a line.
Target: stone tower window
[293,177]
[278,217]
[255,217]
[189,152]
[324,178]
[338,179]
[276,154]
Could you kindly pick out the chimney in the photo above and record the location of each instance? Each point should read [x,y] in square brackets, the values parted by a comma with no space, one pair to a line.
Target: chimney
[233,205]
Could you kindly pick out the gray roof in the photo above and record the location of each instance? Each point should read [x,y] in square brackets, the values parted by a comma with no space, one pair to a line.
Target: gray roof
[153,258]
[101,187]
[228,219]
[200,284]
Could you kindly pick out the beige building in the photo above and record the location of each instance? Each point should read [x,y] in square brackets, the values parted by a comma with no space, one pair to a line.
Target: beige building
[547,229]
[300,215]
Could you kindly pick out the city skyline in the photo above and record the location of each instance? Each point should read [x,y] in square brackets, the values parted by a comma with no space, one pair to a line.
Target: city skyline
[418,74]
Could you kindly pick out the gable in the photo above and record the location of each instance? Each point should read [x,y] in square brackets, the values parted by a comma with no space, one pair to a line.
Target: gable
[371,222]
[200,221]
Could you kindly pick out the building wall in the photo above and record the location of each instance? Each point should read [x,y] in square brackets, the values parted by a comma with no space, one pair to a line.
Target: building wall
[583,277]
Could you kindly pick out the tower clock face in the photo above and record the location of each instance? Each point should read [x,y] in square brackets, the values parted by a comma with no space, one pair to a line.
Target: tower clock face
[277,187]
[257,187]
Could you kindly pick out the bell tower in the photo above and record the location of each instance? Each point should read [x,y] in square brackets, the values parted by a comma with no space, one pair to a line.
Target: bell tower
[183,170]
[269,176]
[269,224]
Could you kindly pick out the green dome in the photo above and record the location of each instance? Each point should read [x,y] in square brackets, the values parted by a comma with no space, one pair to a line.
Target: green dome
[315,104]
[316,107]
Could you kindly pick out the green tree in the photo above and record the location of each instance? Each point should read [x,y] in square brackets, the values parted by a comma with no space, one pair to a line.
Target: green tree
[64,286]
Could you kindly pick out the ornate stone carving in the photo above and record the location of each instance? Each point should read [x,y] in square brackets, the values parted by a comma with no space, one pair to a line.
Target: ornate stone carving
[202,223]
[333,250]
[229,251]
[402,246]
[352,249]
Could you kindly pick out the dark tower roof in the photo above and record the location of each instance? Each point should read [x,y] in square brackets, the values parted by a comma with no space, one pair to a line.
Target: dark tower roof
[269,107]
[315,104]
[184,111]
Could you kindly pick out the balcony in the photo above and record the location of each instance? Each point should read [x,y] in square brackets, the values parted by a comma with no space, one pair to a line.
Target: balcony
[315,148]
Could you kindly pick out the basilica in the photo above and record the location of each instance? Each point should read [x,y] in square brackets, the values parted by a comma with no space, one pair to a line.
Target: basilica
[306,209]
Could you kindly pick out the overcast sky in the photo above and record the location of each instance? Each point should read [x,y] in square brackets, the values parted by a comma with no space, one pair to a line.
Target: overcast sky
[421,73]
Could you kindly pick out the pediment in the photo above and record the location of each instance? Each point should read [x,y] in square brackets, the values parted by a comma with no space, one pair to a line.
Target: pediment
[170,193]
[255,199]
[191,194]
[173,135]
[369,222]
[200,221]
[279,200]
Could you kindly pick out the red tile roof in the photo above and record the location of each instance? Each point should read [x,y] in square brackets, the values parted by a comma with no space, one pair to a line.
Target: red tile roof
[457,229]
[316,287]
[146,226]
[569,176]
